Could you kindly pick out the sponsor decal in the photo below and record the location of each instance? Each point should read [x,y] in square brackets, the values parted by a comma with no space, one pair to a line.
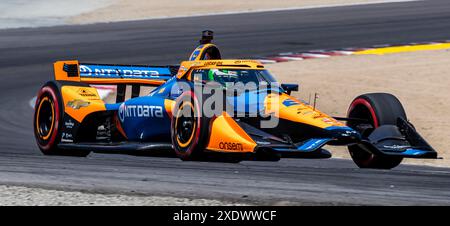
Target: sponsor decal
[231,146]
[106,71]
[69,124]
[66,137]
[245,61]
[139,111]
[217,63]
[86,93]
[290,102]
[314,145]
[181,70]
[348,133]
[263,142]
[328,120]
[77,104]
[395,146]
[195,54]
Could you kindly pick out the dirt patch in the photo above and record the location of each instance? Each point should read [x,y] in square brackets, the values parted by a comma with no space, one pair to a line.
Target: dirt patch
[420,80]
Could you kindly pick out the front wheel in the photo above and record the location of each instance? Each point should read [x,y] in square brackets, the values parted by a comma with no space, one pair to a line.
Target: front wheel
[189,128]
[378,109]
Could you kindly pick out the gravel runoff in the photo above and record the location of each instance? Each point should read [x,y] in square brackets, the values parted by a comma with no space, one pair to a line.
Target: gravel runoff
[24,196]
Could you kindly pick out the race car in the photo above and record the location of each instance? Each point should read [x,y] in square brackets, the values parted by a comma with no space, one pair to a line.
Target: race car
[260,121]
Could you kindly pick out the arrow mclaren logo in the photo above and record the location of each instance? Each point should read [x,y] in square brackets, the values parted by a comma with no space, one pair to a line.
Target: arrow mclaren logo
[86,93]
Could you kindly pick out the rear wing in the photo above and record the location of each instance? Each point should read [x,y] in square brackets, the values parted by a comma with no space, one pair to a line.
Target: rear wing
[113,74]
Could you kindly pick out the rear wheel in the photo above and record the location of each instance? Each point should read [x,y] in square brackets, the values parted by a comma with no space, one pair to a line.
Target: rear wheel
[47,122]
[378,109]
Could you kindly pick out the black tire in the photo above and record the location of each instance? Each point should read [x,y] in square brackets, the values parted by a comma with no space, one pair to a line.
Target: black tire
[189,132]
[379,109]
[48,119]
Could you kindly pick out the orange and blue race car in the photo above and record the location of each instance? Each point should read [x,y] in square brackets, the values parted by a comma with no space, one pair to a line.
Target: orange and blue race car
[212,109]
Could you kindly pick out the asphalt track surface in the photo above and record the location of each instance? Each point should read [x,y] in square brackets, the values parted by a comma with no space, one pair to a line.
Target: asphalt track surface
[26,57]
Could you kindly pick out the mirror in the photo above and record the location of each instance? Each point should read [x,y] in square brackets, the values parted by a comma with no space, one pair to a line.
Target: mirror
[289,88]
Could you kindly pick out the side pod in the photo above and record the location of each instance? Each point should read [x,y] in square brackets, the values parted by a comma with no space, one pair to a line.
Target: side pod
[227,136]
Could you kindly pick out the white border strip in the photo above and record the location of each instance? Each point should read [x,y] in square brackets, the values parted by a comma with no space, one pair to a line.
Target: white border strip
[258,11]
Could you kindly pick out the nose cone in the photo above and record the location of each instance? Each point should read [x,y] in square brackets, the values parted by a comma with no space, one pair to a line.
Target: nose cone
[343,134]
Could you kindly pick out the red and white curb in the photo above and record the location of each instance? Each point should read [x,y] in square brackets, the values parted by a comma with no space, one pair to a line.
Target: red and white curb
[320,54]
[316,54]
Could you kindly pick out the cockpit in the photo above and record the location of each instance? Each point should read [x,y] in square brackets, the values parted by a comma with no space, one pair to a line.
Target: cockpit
[232,77]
